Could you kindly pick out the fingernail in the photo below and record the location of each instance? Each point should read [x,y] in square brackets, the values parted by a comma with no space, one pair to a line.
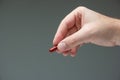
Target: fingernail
[62,46]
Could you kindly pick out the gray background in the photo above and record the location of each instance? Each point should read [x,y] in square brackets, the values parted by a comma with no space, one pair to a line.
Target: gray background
[27,28]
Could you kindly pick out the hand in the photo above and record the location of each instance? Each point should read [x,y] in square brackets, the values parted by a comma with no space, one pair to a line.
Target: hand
[83,26]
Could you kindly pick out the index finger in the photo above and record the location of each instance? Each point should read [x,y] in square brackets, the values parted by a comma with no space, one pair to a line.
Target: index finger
[67,23]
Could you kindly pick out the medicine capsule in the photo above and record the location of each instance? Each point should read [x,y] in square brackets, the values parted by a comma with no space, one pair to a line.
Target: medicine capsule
[54,48]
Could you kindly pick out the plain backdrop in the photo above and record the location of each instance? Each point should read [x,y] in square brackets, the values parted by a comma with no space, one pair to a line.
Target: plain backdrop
[27,28]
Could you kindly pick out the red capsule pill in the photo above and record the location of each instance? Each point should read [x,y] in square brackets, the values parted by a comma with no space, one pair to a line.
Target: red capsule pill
[54,48]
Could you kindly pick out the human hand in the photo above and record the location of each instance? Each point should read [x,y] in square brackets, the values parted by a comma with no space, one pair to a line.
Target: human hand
[83,26]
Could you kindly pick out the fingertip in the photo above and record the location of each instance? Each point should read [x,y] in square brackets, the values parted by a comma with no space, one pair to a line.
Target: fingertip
[73,52]
[73,55]
[55,41]
[65,54]
[58,37]
[62,46]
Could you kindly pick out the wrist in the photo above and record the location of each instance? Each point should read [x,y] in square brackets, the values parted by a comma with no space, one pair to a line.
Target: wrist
[116,31]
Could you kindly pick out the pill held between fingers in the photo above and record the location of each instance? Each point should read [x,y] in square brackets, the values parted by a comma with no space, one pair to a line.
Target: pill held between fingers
[54,48]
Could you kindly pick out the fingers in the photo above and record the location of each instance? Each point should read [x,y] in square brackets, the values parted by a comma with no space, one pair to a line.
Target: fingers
[68,22]
[73,40]
[71,52]
[69,34]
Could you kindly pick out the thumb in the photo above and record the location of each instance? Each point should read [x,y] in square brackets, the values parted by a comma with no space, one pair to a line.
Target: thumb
[74,40]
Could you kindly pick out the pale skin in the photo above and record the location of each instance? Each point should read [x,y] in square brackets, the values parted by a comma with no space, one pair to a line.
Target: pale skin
[84,26]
